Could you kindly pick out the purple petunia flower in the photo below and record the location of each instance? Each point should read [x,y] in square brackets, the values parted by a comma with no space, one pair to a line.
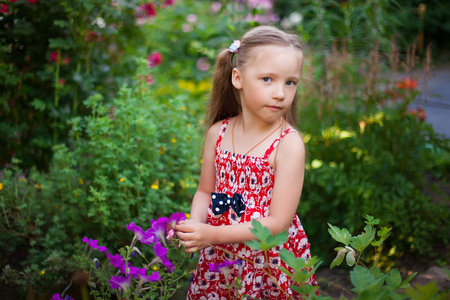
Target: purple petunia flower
[159,229]
[58,297]
[161,254]
[175,218]
[93,244]
[121,282]
[141,275]
[220,267]
[117,261]
[146,237]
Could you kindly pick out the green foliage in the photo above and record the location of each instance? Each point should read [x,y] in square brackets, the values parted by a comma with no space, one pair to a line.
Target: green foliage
[265,240]
[373,283]
[54,55]
[359,23]
[133,160]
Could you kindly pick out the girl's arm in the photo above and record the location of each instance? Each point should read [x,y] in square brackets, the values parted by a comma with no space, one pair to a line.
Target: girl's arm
[202,197]
[290,165]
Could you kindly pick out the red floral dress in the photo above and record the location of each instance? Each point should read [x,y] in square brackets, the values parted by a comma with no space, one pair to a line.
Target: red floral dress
[253,178]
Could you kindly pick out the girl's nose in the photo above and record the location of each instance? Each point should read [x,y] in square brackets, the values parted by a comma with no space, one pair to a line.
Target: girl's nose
[279,93]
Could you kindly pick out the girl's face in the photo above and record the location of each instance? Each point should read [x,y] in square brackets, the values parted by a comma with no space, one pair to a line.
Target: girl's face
[268,83]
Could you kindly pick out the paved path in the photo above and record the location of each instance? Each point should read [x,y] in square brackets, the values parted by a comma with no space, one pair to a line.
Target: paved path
[437,107]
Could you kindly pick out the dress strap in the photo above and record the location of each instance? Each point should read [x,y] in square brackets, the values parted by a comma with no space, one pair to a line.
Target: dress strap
[277,141]
[222,130]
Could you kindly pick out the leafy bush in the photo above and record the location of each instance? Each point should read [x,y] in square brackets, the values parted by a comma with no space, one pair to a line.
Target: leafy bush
[134,160]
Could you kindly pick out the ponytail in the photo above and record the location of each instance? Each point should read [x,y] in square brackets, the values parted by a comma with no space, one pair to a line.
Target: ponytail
[224,102]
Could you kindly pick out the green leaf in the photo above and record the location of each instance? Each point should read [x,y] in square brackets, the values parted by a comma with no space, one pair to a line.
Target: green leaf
[363,240]
[371,220]
[265,239]
[364,280]
[340,235]
[426,292]
[340,256]
[405,283]
[394,278]
[38,104]
[59,43]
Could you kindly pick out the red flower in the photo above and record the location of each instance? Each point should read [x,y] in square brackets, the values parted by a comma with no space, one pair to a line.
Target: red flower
[66,60]
[54,56]
[407,84]
[4,8]
[33,1]
[93,36]
[13,1]
[154,59]
[147,10]
[419,113]
[62,82]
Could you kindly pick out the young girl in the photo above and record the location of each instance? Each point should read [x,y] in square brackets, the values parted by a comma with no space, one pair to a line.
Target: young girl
[253,168]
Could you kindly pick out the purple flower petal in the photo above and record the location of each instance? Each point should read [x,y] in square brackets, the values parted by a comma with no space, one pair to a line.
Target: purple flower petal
[220,267]
[159,228]
[161,253]
[121,282]
[144,237]
[117,261]
[141,274]
[175,218]
[93,244]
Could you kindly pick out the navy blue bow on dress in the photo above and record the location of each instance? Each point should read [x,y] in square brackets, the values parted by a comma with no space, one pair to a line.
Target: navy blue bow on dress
[222,202]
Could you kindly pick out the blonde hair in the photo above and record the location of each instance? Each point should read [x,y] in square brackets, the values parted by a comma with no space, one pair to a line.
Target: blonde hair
[225,102]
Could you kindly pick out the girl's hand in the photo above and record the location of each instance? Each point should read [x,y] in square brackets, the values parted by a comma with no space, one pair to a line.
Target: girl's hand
[193,236]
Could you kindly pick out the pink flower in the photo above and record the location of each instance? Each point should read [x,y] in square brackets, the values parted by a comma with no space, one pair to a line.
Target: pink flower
[33,1]
[62,82]
[147,10]
[13,1]
[154,59]
[168,3]
[149,79]
[53,56]
[66,60]
[4,8]
[203,64]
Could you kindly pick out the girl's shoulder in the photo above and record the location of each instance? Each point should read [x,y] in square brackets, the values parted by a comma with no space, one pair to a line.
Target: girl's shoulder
[291,141]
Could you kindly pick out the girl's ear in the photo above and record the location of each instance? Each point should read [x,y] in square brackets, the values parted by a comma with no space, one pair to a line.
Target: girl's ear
[236,79]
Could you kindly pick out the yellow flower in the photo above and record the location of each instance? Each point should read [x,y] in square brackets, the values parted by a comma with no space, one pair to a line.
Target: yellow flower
[80,181]
[188,125]
[173,141]
[122,180]
[183,108]
[188,215]
[1,186]
[42,272]
[161,151]
[201,161]
[75,195]
[155,186]
[155,268]
[39,186]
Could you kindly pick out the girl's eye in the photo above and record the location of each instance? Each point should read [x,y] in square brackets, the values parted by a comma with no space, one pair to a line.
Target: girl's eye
[266,79]
[290,83]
